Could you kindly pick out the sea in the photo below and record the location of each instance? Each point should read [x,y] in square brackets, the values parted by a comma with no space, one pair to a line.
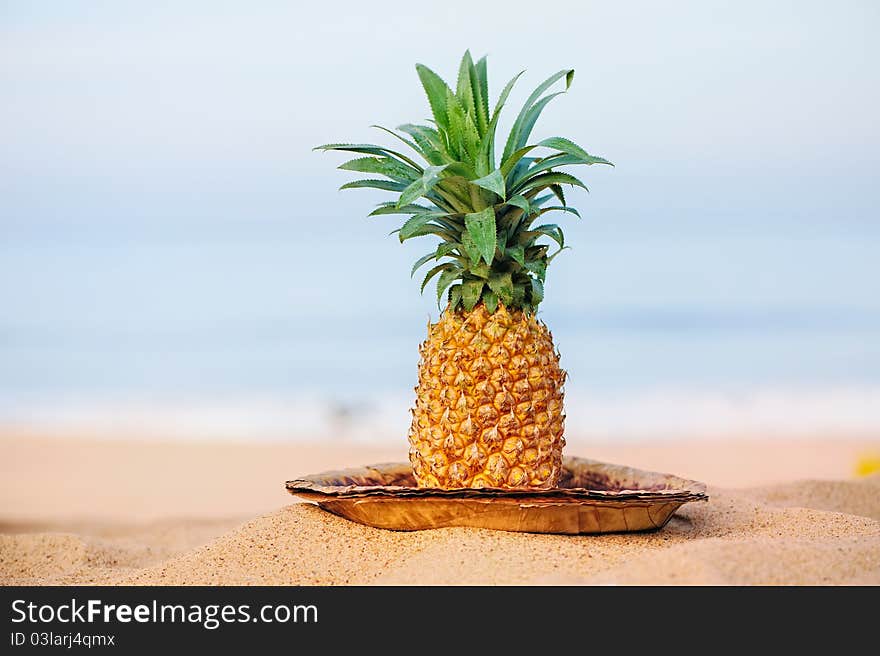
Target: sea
[272,332]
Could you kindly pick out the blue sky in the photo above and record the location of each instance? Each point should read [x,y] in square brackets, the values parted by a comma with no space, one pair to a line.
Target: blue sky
[156,167]
[712,110]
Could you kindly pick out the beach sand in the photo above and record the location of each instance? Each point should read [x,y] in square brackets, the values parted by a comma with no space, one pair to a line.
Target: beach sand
[78,510]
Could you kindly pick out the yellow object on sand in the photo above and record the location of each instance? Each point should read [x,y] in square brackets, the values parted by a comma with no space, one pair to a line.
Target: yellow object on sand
[868,464]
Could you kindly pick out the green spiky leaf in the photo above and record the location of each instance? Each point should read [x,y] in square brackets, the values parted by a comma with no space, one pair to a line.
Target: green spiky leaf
[551,230]
[481,228]
[413,225]
[470,248]
[502,284]
[493,182]
[446,266]
[454,296]
[386,185]
[422,261]
[426,229]
[464,90]
[429,142]
[486,154]
[399,138]
[445,248]
[545,180]
[480,83]
[559,193]
[392,208]
[540,200]
[367,149]
[545,164]
[480,270]
[538,267]
[537,291]
[557,208]
[446,278]
[517,254]
[571,148]
[513,140]
[422,186]
[436,90]
[520,202]
[501,242]
[531,117]
[471,291]
[490,300]
[384,166]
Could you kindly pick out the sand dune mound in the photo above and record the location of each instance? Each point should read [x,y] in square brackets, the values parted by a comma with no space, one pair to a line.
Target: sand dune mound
[735,538]
[56,559]
[851,497]
[754,561]
[809,532]
[96,552]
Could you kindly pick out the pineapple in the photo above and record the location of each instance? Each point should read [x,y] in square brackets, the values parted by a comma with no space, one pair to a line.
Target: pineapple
[488,410]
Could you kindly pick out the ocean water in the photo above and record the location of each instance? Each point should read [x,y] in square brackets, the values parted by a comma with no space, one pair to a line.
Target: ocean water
[175,259]
[262,334]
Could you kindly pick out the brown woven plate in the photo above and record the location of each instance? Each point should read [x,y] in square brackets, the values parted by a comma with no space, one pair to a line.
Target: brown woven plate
[592,497]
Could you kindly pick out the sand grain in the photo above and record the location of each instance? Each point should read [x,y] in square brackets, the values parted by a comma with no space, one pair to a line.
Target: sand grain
[795,532]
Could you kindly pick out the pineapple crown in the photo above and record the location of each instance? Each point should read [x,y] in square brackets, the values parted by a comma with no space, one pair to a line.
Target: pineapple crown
[483,213]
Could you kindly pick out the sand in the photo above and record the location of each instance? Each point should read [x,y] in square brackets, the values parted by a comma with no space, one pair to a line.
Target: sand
[76,510]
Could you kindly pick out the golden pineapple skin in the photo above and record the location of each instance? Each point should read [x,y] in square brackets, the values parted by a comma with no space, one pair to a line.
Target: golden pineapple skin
[488,409]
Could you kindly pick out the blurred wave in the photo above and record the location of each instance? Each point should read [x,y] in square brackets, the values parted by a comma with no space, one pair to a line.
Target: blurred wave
[640,415]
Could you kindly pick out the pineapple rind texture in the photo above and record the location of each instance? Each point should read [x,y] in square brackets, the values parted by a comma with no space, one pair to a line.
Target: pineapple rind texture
[489,402]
